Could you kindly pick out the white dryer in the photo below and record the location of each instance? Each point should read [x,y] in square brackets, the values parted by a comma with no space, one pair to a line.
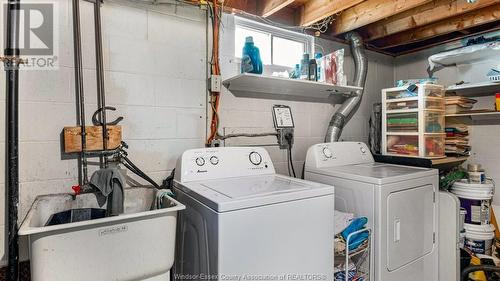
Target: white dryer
[242,220]
[399,201]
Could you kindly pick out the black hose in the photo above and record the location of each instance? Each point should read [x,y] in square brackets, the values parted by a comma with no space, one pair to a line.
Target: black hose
[12,120]
[290,162]
[134,169]
[138,173]
[473,268]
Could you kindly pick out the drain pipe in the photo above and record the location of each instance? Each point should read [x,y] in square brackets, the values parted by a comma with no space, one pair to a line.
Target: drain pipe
[77,42]
[12,91]
[349,107]
[101,94]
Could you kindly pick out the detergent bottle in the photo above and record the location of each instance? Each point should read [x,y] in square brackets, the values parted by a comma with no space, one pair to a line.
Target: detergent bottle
[251,61]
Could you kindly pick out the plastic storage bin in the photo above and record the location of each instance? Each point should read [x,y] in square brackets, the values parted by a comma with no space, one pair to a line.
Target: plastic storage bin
[402,145]
[413,121]
[434,122]
[398,122]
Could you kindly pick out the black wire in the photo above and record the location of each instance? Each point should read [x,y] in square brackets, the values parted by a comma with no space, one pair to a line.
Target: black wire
[290,162]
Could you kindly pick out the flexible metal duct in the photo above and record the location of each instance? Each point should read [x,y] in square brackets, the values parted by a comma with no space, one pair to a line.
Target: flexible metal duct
[349,107]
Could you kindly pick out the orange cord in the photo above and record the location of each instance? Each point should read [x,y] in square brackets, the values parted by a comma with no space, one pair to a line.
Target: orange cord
[215,69]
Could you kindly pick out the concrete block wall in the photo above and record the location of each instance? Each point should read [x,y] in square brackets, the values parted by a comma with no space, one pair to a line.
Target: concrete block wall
[155,63]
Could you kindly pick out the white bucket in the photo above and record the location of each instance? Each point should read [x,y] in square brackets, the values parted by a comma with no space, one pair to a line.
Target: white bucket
[475,199]
[479,238]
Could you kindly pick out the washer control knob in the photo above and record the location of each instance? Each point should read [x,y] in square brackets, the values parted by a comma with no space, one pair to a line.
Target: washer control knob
[214,160]
[327,152]
[255,158]
[200,161]
[363,150]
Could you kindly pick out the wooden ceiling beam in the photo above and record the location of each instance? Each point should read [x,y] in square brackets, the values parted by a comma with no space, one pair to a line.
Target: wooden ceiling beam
[269,7]
[479,17]
[370,11]
[420,16]
[316,10]
[235,6]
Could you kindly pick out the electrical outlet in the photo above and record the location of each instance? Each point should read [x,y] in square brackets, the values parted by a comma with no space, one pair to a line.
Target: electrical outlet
[215,83]
[285,138]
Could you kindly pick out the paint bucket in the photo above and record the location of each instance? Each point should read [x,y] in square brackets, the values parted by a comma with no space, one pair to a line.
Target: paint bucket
[475,199]
[463,213]
[476,174]
[479,238]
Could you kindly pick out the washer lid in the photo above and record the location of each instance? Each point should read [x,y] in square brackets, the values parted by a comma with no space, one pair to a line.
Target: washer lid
[229,194]
[376,173]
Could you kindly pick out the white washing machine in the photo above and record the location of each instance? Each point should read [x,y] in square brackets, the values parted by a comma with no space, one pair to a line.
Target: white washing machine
[242,220]
[399,201]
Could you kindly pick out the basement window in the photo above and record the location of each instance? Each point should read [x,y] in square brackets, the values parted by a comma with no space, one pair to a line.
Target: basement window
[277,46]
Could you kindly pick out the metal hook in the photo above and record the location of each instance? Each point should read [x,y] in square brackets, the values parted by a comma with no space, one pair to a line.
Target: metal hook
[97,122]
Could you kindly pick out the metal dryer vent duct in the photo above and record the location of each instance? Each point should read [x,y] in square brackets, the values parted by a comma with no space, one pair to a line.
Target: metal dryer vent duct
[349,107]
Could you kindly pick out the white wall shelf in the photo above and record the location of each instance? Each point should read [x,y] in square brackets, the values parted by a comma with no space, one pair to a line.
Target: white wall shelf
[474,89]
[265,87]
[477,115]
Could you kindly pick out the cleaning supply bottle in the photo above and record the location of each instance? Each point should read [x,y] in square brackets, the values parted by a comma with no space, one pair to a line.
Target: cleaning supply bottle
[313,68]
[304,67]
[250,60]
[318,58]
[295,74]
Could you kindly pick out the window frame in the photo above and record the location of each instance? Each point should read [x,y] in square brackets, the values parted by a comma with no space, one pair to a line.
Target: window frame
[307,40]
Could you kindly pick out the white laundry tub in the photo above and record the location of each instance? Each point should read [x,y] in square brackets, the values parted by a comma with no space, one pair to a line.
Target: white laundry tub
[138,245]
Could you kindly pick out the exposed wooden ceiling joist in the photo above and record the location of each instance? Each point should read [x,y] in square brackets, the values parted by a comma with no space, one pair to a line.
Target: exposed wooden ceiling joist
[248,6]
[476,18]
[389,26]
[316,10]
[420,16]
[370,11]
[268,7]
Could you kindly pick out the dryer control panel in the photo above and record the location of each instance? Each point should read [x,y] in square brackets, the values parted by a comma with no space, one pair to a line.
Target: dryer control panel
[333,154]
[223,162]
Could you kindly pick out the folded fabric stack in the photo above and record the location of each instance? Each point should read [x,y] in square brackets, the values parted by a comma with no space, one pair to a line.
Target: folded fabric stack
[458,104]
[457,139]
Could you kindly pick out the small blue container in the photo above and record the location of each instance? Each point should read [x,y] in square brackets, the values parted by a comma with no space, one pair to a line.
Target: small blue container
[251,61]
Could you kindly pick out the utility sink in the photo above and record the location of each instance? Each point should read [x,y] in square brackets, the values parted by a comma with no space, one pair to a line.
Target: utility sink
[137,245]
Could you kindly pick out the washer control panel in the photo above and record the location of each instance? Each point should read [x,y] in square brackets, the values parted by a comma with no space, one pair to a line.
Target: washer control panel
[223,162]
[338,154]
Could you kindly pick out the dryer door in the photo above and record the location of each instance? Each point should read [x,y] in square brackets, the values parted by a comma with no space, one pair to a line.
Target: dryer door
[410,225]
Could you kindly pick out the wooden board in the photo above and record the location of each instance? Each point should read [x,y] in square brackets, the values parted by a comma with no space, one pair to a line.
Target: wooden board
[371,11]
[420,16]
[475,18]
[269,7]
[315,10]
[73,141]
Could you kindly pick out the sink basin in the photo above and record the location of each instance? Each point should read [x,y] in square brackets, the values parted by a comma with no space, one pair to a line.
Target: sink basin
[137,245]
